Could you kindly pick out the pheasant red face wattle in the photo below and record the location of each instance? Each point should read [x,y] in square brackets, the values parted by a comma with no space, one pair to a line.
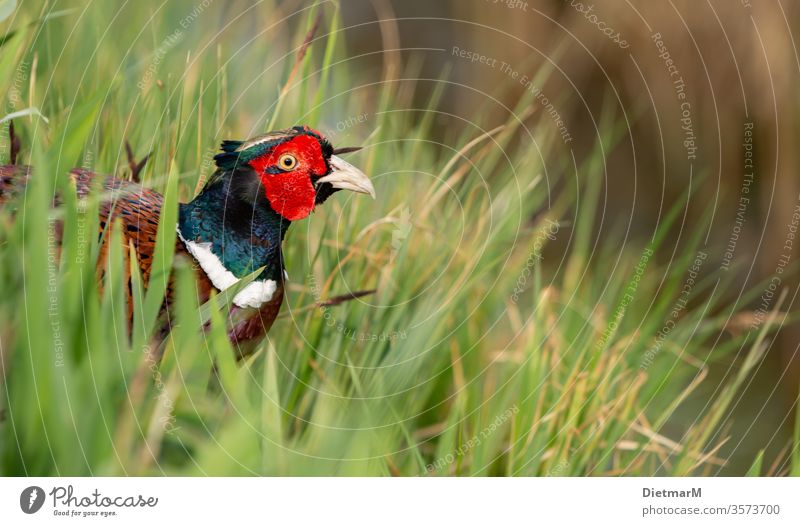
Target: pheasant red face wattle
[290,171]
[286,174]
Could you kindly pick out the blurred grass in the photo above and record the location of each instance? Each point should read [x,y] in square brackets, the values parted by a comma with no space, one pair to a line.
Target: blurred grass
[469,360]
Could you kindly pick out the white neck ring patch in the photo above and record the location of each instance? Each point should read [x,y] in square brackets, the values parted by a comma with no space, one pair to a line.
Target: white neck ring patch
[254,295]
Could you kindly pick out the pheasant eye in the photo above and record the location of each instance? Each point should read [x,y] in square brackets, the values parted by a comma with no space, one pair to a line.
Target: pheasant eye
[287,161]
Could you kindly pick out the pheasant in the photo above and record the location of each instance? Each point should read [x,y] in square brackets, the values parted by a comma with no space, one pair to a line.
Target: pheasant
[236,224]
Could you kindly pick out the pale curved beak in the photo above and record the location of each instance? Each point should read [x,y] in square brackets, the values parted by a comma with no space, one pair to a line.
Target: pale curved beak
[347,177]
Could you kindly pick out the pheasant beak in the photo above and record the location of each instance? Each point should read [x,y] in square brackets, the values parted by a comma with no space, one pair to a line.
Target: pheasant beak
[347,177]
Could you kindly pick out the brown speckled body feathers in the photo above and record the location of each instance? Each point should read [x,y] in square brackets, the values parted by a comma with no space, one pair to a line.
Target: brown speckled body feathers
[138,209]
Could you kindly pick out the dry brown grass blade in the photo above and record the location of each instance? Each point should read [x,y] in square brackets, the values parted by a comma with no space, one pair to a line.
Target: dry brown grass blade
[346,149]
[307,42]
[14,141]
[136,167]
[331,302]
[298,60]
[390,37]
[338,300]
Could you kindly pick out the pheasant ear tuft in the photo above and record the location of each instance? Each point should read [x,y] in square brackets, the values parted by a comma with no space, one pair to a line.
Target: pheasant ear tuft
[230,157]
[230,146]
